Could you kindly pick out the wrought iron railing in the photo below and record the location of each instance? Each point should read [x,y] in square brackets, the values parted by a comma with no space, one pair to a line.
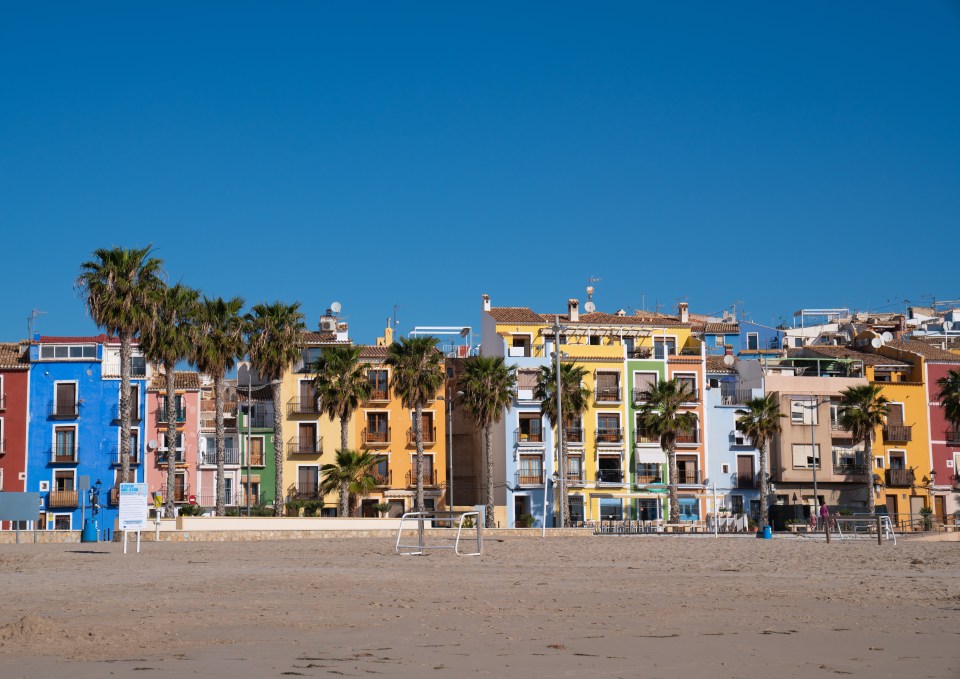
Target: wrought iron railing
[305,445]
[429,436]
[429,477]
[63,498]
[529,477]
[609,476]
[65,454]
[64,410]
[900,433]
[303,408]
[376,437]
[900,477]
[610,435]
[607,394]
[521,437]
[230,456]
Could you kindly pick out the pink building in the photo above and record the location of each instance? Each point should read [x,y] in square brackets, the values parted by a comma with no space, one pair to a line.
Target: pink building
[185,448]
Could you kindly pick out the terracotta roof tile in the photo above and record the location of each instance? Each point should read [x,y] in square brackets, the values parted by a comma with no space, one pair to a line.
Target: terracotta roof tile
[310,337]
[515,314]
[719,328]
[77,339]
[13,356]
[928,351]
[183,380]
[370,351]
[715,364]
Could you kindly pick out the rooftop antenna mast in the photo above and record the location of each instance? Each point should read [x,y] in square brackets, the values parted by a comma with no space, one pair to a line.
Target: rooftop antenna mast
[395,322]
[31,319]
[589,306]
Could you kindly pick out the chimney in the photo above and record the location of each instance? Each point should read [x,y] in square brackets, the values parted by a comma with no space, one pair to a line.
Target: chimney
[486,302]
[683,313]
[573,310]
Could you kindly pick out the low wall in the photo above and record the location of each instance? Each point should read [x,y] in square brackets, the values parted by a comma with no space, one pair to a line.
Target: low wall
[9,537]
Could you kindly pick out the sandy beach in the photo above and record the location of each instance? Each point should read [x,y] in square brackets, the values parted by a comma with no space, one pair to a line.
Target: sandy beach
[563,607]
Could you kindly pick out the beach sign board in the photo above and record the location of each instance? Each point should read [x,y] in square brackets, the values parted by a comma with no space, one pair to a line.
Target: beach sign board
[133,506]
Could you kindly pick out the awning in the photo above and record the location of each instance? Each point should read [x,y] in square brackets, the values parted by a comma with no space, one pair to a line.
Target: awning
[649,456]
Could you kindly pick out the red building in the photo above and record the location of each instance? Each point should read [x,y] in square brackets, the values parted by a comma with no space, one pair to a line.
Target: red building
[14,377]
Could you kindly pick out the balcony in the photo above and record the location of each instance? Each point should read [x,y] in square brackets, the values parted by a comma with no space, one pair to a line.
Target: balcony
[644,477]
[693,396]
[747,481]
[529,477]
[378,437]
[837,430]
[382,478]
[429,436]
[256,459]
[901,478]
[62,499]
[735,397]
[305,446]
[848,469]
[521,437]
[134,413]
[643,439]
[639,395]
[688,477]
[691,351]
[134,456]
[179,414]
[138,369]
[689,439]
[574,477]
[610,476]
[179,457]
[64,411]
[378,395]
[429,477]
[258,422]
[307,491]
[230,456]
[952,437]
[113,497]
[897,433]
[610,435]
[607,394]
[64,455]
[639,352]
[300,408]
[574,435]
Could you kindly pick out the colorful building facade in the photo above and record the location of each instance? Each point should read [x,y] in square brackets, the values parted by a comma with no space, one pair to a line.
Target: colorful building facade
[14,408]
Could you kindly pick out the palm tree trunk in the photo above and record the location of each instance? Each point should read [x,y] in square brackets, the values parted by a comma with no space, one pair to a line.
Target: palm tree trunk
[418,435]
[344,498]
[868,463]
[562,476]
[764,504]
[673,487]
[169,368]
[126,419]
[488,459]
[344,429]
[277,449]
[220,441]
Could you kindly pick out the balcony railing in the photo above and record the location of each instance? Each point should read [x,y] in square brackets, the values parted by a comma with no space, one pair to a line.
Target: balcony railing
[574,434]
[837,429]
[530,477]
[849,468]
[660,352]
[63,498]
[607,394]
[639,394]
[643,477]
[230,499]
[64,410]
[609,476]
[256,459]
[747,481]
[378,437]
[522,437]
[305,446]
[900,477]
[115,453]
[429,477]
[306,492]
[575,477]
[134,413]
[640,352]
[302,408]
[735,397]
[690,439]
[230,456]
[384,478]
[258,422]
[64,455]
[901,433]
[645,439]
[693,396]
[687,477]
[138,369]
[610,435]
[180,457]
[429,436]
[379,395]
[952,437]
[690,351]
[179,414]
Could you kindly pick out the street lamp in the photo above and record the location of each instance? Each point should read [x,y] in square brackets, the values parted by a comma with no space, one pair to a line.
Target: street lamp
[449,400]
[561,461]
[814,406]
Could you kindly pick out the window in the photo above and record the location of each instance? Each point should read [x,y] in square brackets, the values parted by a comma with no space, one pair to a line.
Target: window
[68,352]
[574,467]
[180,487]
[724,469]
[65,444]
[609,469]
[803,456]
[177,441]
[306,438]
[381,471]
[608,428]
[63,480]
[65,399]
[648,509]
[377,430]
[687,472]
[426,427]
[608,386]
[531,469]
[753,341]
[251,492]
[798,342]
[718,340]
[530,430]
[575,503]
[802,412]
[308,397]
[574,429]
[138,366]
[689,384]
[308,480]
[736,504]
[689,509]
[61,522]
[134,446]
[663,347]
[526,384]
[228,489]
[611,509]
[379,385]
[898,460]
[256,451]
[648,472]
[519,345]
[642,383]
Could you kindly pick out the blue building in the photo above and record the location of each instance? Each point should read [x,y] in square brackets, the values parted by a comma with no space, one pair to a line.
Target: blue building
[758,339]
[74,426]
[732,460]
[719,337]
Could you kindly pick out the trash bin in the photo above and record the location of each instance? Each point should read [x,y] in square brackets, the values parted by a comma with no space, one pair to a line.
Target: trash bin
[89,533]
[767,533]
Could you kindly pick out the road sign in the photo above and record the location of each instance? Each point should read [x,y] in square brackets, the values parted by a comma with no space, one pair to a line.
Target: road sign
[192,499]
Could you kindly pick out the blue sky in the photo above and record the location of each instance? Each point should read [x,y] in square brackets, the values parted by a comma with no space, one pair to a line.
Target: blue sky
[420,154]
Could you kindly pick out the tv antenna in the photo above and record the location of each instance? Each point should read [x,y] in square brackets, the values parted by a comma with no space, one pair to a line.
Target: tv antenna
[589,306]
[31,319]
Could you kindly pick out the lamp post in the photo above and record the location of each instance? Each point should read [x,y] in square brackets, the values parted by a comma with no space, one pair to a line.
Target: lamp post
[449,400]
[561,460]
[814,406]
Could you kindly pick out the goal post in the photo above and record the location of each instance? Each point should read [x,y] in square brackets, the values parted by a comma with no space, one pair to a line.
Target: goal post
[425,520]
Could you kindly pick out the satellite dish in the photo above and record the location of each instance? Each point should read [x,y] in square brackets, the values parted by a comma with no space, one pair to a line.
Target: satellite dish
[589,307]
[886,337]
[152,444]
[335,307]
[876,343]
[729,359]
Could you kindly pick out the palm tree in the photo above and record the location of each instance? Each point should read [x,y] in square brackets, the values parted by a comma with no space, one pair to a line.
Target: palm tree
[417,377]
[169,340]
[273,340]
[117,284]
[217,345]
[760,421]
[487,385]
[950,399]
[574,400]
[341,384]
[862,410]
[349,475]
[661,415]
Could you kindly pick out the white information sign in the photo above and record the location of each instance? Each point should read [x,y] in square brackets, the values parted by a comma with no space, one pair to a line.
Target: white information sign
[133,506]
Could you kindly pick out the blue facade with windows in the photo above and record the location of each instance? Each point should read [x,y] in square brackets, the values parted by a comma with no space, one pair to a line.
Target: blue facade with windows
[74,427]
[755,337]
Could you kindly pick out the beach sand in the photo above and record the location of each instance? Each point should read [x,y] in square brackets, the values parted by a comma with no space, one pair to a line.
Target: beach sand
[603,606]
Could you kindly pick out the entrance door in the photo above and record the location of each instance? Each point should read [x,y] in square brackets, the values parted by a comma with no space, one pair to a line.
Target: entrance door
[939,508]
[521,506]
[892,507]
[745,471]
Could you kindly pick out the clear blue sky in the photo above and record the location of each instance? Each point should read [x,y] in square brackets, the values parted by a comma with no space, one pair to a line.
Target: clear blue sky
[420,154]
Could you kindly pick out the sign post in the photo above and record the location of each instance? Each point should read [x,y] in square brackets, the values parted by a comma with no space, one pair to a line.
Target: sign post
[133,510]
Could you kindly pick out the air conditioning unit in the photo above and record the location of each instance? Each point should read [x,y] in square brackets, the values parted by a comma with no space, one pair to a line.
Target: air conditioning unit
[328,324]
[44,486]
